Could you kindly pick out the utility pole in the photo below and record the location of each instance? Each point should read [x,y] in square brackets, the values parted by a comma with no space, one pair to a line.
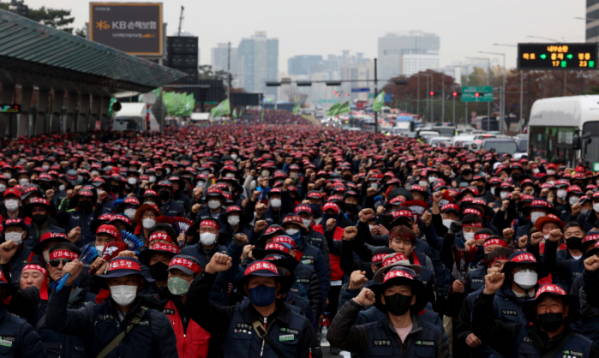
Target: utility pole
[521,99]
[432,98]
[418,94]
[181,20]
[229,74]
[376,92]
[443,96]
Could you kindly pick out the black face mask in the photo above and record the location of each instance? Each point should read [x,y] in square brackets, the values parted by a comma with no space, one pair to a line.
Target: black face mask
[347,177]
[480,188]
[159,271]
[398,304]
[486,257]
[164,195]
[574,242]
[466,171]
[85,205]
[550,322]
[351,208]
[39,219]
[516,177]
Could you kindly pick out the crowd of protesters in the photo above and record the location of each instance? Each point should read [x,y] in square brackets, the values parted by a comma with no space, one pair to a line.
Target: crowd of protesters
[292,241]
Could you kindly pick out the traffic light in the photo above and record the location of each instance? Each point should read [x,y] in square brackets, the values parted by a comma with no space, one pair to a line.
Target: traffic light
[477,94]
[337,94]
[334,92]
[432,93]
[347,95]
[455,94]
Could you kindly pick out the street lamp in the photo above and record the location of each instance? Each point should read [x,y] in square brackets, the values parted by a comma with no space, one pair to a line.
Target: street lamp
[488,83]
[505,45]
[543,38]
[521,88]
[586,18]
[502,111]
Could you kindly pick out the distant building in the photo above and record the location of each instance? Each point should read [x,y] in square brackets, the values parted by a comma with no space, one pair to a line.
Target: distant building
[258,63]
[414,63]
[592,28]
[220,61]
[302,64]
[392,47]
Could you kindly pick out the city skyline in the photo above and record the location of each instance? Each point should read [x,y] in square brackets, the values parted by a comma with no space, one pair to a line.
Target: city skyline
[320,28]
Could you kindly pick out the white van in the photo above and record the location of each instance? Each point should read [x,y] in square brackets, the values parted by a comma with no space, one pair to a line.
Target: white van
[132,117]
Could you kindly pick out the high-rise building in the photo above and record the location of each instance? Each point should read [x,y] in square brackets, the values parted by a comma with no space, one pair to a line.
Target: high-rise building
[592,28]
[414,63]
[220,61]
[302,64]
[392,47]
[258,63]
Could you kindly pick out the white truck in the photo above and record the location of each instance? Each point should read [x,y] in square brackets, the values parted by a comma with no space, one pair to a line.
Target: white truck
[133,117]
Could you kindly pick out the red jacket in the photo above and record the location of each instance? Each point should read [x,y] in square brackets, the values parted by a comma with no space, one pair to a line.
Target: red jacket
[195,342]
[336,272]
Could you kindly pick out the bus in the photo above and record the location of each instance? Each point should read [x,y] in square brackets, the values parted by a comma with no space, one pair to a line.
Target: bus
[555,123]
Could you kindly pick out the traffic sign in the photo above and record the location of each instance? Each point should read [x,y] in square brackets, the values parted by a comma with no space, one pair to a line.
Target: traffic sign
[557,56]
[477,93]
[364,89]
[596,167]
[388,97]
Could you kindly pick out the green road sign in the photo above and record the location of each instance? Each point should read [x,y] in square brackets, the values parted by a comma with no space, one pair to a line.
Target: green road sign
[596,167]
[477,93]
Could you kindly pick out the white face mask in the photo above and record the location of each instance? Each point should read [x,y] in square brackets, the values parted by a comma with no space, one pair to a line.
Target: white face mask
[148,223]
[23,181]
[432,178]
[8,175]
[468,236]
[17,237]
[503,195]
[132,181]
[123,295]
[45,167]
[551,182]
[130,213]
[230,175]
[374,185]
[423,183]
[100,249]
[2,187]
[447,222]
[573,200]
[307,222]
[535,216]
[265,173]
[294,175]
[213,204]
[11,205]
[292,232]
[561,193]
[168,171]
[275,203]
[596,207]
[149,202]
[234,156]
[550,172]
[152,179]
[207,239]
[95,172]
[205,172]
[525,279]
[535,171]
[200,184]
[46,255]
[233,220]
[61,187]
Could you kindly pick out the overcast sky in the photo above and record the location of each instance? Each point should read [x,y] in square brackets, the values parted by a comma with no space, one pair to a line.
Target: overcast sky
[321,27]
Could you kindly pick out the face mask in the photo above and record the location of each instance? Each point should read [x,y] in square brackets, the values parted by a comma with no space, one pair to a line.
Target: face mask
[561,193]
[573,200]
[132,181]
[550,172]
[164,195]
[525,279]
[546,237]
[95,172]
[159,271]
[551,182]
[230,175]
[398,304]
[46,255]
[17,237]
[307,222]
[208,239]
[150,202]
[432,178]
[294,175]
[535,216]
[550,322]
[374,185]
[503,195]
[152,179]
[535,171]
[423,183]
[584,211]
[39,219]
[2,187]
[466,171]
[480,188]
[148,223]
[516,177]
[351,208]
[275,203]
[292,232]
[130,213]
[11,205]
[316,210]
[233,220]
[200,184]
[8,175]
[99,248]
[234,156]
[447,222]
[123,295]
[85,205]
[213,204]
[168,171]
[205,172]
[468,236]
[23,181]
[596,207]
[178,286]
[494,191]
[262,295]
[265,173]
[45,167]
[574,242]
[61,187]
